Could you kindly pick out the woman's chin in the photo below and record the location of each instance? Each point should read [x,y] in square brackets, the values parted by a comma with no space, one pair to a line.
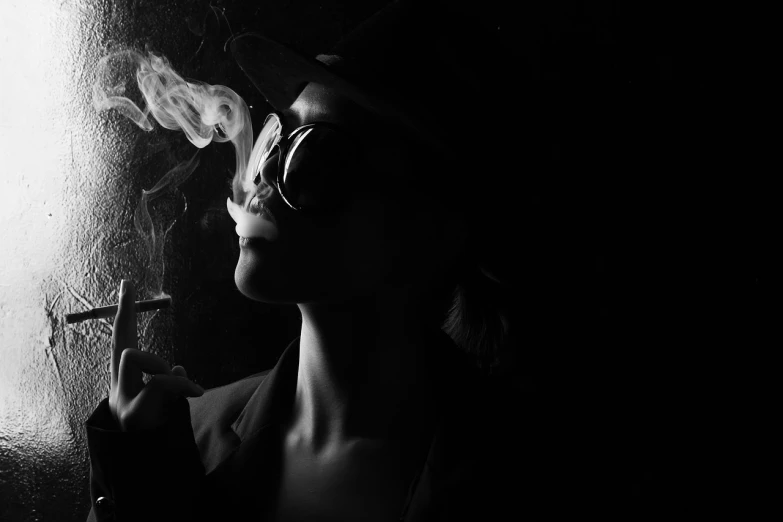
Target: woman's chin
[256,280]
[249,276]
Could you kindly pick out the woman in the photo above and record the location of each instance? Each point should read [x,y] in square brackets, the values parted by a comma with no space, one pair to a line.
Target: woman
[375,226]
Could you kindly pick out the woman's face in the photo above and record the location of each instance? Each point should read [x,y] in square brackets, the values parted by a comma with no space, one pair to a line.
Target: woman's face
[383,239]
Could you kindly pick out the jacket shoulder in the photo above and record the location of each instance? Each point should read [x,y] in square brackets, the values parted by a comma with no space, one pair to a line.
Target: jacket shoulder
[213,413]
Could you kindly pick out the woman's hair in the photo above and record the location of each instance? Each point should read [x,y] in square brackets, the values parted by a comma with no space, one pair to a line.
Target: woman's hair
[478,318]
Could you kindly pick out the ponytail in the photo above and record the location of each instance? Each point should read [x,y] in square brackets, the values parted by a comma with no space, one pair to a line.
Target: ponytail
[478,318]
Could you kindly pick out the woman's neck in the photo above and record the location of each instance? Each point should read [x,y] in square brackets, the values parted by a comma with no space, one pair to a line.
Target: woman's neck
[363,373]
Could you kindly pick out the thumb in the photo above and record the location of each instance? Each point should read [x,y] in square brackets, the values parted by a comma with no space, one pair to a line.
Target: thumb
[179,371]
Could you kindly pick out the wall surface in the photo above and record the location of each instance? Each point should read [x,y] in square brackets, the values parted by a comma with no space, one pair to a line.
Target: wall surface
[619,281]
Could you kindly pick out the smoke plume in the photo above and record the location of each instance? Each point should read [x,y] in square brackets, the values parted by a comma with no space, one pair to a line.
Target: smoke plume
[205,113]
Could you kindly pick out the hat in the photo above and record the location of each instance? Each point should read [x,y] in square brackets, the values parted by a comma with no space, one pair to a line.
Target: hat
[426,66]
[416,63]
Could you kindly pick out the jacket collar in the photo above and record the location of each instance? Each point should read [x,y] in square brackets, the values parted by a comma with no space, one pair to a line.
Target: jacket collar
[274,396]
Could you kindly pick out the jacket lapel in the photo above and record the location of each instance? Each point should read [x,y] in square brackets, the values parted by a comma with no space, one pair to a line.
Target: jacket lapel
[273,399]
[245,481]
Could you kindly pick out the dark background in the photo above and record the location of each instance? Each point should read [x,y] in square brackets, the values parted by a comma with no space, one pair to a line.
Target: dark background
[640,269]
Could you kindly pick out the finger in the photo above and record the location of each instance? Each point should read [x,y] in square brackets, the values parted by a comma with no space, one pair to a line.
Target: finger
[132,363]
[124,331]
[179,371]
[148,408]
[173,385]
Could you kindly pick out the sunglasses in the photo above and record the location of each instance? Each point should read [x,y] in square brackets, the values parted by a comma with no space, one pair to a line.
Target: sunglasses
[314,164]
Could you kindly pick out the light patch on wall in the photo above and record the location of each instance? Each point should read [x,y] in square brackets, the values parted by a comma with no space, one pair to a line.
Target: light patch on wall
[38,49]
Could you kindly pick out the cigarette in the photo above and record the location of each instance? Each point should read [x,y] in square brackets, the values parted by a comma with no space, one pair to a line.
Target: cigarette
[110,311]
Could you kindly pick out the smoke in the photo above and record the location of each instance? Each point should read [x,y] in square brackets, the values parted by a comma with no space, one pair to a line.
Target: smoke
[154,240]
[205,113]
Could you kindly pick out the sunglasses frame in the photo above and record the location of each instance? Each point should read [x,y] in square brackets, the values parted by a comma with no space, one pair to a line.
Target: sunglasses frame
[283,144]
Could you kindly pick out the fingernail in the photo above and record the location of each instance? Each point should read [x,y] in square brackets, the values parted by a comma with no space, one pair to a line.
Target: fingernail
[123,287]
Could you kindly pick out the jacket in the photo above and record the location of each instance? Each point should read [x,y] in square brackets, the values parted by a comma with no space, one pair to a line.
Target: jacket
[216,457]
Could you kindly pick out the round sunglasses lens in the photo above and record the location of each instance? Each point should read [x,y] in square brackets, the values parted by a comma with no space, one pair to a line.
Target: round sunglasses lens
[315,167]
[267,139]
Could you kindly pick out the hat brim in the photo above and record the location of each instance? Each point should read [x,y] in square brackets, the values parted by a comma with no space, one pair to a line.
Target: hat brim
[281,74]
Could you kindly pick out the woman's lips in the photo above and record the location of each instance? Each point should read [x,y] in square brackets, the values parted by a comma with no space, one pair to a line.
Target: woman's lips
[252,225]
[251,241]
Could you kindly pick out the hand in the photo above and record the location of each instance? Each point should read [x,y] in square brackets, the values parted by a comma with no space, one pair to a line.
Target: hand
[134,405]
